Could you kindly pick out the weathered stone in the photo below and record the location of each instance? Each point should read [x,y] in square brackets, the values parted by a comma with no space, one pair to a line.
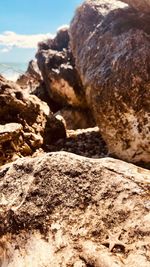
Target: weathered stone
[8,131]
[11,142]
[141,5]
[56,63]
[58,209]
[27,115]
[111,46]
[77,118]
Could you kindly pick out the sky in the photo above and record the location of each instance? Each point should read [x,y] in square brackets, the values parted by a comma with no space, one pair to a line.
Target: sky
[23,23]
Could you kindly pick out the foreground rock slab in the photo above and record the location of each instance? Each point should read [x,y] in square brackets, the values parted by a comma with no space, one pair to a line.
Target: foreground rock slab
[60,209]
[111,46]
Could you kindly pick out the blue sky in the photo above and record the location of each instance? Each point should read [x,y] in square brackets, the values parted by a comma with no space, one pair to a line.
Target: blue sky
[23,22]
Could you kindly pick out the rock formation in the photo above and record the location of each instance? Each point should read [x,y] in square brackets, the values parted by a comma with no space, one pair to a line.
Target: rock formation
[32,82]
[64,210]
[141,5]
[62,85]
[26,123]
[111,46]
[31,77]
[56,63]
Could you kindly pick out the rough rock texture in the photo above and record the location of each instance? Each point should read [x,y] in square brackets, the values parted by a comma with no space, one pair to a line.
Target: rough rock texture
[141,5]
[111,45]
[27,119]
[12,142]
[64,210]
[56,63]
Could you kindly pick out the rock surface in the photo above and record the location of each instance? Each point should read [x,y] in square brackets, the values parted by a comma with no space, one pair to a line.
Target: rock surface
[32,82]
[11,142]
[32,76]
[77,118]
[57,66]
[111,46]
[62,86]
[64,210]
[26,122]
[141,5]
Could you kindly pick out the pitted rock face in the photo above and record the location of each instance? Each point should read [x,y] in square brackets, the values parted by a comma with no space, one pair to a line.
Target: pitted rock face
[113,60]
[141,5]
[58,208]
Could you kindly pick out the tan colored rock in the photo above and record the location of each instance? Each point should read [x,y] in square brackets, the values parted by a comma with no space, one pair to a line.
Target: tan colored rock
[140,5]
[65,210]
[111,46]
[25,121]
[11,142]
[8,131]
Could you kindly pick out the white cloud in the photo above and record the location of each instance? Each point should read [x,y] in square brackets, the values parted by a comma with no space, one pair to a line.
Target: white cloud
[10,39]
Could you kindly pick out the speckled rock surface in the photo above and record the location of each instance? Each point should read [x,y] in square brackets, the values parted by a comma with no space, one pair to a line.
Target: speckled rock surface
[60,209]
[111,46]
[141,5]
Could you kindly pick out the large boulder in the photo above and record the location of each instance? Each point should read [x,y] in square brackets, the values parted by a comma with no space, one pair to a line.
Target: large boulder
[141,5]
[111,46]
[64,210]
[26,123]
[57,66]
